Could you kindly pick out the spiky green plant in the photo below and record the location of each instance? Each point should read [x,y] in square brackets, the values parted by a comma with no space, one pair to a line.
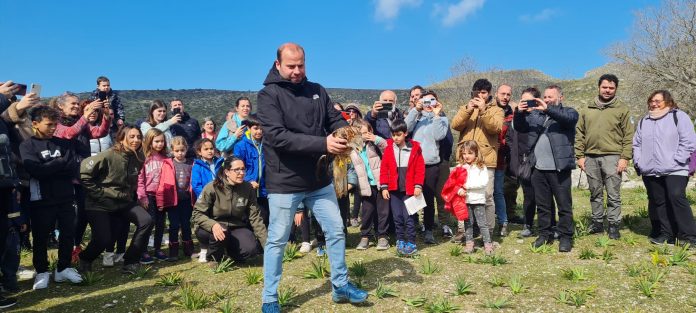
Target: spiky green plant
[219,295]
[441,305]
[607,255]
[629,240]
[496,281]
[141,272]
[320,269]
[634,270]
[516,285]
[642,211]
[227,307]
[603,242]
[52,262]
[575,274]
[224,266]
[383,291]
[656,275]
[680,256]
[543,249]
[90,278]
[429,267]
[575,297]
[647,287]
[253,277]
[415,302]
[497,303]
[494,260]
[587,254]
[456,250]
[286,296]
[191,299]
[292,251]
[171,279]
[462,287]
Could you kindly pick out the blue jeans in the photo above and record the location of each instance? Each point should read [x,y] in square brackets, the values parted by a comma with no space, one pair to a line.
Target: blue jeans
[499,197]
[282,208]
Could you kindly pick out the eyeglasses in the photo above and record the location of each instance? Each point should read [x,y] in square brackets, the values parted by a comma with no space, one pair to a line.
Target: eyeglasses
[238,170]
[656,101]
[351,111]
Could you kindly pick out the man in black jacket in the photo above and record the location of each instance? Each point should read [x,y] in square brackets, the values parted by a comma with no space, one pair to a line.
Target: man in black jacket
[188,127]
[550,129]
[298,118]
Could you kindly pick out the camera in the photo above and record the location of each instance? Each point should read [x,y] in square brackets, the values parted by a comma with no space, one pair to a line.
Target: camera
[531,103]
[429,102]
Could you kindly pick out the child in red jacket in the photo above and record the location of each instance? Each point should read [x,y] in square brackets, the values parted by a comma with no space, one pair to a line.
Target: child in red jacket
[156,187]
[401,175]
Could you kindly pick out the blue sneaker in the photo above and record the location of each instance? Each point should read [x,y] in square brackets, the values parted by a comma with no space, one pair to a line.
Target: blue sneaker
[410,248]
[273,307]
[161,256]
[321,251]
[349,293]
[399,245]
[146,259]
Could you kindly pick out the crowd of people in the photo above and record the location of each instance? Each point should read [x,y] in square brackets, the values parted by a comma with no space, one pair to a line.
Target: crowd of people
[246,188]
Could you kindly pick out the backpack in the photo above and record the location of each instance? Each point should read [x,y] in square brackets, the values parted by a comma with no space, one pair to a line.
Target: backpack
[692,157]
[8,174]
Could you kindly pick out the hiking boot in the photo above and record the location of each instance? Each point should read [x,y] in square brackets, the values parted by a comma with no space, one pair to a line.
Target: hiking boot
[565,244]
[108,259]
[173,252]
[188,248]
[364,244]
[596,228]
[488,248]
[428,237]
[459,237]
[541,240]
[348,293]
[526,232]
[382,244]
[271,307]
[69,274]
[504,230]
[469,247]
[614,231]
[305,247]
[447,232]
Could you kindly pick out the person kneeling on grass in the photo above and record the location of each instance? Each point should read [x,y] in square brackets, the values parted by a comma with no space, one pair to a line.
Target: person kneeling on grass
[52,165]
[227,208]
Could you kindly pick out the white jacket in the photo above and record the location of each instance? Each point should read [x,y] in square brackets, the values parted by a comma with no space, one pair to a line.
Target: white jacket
[476,182]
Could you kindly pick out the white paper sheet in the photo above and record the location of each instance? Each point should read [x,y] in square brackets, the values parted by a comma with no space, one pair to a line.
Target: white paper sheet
[414,204]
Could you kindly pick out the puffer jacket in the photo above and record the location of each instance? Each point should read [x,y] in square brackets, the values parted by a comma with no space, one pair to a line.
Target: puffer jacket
[483,128]
[374,158]
[455,203]
[476,182]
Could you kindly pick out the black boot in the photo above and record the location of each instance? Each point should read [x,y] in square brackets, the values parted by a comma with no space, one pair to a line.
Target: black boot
[614,231]
[596,228]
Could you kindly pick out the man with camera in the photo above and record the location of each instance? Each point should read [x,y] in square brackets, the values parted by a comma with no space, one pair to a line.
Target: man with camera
[481,120]
[383,112]
[550,130]
[603,139]
[110,97]
[187,127]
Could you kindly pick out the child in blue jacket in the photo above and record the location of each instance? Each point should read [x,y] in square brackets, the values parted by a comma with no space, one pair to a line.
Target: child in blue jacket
[250,150]
[205,166]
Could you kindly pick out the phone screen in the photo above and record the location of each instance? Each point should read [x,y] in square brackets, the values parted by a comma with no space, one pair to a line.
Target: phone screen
[22,91]
[176,111]
[531,103]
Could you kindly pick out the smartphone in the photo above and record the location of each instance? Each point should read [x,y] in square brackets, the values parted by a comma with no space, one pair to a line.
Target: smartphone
[102,96]
[531,103]
[22,91]
[36,89]
[176,111]
[474,94]
[387,106]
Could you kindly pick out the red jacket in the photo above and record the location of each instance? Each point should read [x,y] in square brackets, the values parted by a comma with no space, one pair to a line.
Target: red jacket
[415,173]
[166,190]
[455,203]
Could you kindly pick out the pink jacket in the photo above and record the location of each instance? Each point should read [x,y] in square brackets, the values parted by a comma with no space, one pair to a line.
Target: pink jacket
[158,177]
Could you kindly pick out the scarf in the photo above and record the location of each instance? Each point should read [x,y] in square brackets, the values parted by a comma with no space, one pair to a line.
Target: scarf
[658,113]
[601,104]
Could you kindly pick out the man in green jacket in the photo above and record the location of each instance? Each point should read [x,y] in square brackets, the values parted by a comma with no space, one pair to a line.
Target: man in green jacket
[603,140]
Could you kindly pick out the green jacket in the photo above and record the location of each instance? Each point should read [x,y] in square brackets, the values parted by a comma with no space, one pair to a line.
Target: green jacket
[605,131]
[111,179]
[232,206]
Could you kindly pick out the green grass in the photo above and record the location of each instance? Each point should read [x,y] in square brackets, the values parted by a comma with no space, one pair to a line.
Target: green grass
[170,279]
[587,254]
[192,299]
[429,267]
[574,274]
[383,291]
[671,283]
[292,252]
[497,303]
[462,287]
[319,269]
[224,266]
[442,305]
[253,277]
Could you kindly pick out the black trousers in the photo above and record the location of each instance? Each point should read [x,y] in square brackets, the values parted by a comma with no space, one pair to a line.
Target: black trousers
[7,200]
[432,173]
[239,244]
[158,219]
[104,223]
[80,218]
[357,202]
[119,237]
[549,186]
[203,237]
[668,207]
[43,219]
[375,214]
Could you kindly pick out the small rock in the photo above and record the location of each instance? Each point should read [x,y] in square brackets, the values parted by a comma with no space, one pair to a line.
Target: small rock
[108,305]
[517,251]
[115,301]
[520,241]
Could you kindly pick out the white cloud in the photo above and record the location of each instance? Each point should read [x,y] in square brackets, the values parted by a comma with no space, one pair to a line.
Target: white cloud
[458,12]
[389,9]
[544,15]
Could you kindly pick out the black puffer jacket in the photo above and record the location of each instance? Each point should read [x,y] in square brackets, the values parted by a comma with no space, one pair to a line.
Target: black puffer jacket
[296,118]
[561,132]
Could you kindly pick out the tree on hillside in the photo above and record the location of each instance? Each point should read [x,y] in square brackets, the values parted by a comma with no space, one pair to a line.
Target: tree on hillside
[661,52]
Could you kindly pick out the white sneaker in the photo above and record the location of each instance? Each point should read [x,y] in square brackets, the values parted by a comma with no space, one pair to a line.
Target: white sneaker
[118,257]
[68,273]
[25,273]
[41,280]
[108,259]
[306,247]
[202,256]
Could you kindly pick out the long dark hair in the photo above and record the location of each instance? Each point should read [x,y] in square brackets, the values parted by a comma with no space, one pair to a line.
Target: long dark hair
[121,134]
[220,178]
[156,104]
